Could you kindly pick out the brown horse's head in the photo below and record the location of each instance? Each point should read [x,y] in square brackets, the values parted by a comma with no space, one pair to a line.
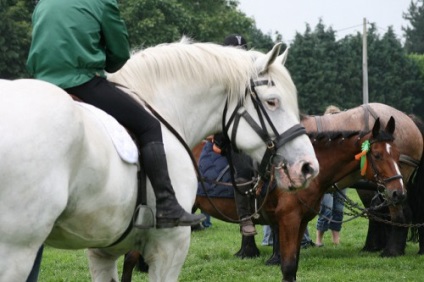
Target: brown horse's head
[379,162]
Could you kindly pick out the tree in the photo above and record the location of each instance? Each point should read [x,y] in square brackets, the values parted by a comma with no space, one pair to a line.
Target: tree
[151,22]
[393,77]
[414,35]
[15,37]
[418,107]
[327,71]
[312,62]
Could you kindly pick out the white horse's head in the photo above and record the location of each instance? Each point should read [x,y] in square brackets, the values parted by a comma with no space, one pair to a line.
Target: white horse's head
[198,87]
[266,124]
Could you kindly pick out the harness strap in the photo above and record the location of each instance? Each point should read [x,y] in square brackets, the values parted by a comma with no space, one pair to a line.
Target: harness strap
[318,122]
[367,111]
[409,161]
[290,134]
[263,134]
[220,175]
[141,199]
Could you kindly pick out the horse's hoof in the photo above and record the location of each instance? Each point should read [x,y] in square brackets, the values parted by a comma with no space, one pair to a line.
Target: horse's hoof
[273,261]
[390,254]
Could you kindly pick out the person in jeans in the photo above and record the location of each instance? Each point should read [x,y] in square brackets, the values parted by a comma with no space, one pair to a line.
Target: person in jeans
[331,210]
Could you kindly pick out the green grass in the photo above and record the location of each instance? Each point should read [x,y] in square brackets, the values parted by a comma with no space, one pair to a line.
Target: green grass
[211,259]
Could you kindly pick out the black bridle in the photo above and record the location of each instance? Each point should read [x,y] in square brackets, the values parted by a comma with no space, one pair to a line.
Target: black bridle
[272,144]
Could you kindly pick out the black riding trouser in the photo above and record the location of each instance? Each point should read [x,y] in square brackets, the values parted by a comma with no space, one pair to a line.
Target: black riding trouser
[104,95]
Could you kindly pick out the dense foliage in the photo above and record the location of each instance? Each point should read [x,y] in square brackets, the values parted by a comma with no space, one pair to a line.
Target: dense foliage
[325,70]
[414,32]
[15,29]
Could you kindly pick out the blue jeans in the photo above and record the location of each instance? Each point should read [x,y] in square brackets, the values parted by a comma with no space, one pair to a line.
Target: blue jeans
[268,236]
[207,222]
[331,211]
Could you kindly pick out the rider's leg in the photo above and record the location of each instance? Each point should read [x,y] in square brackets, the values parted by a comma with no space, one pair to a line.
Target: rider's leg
[102,94]
[244,173]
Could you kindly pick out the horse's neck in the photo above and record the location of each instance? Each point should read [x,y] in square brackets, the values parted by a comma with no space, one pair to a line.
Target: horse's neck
[193,115]
[337,159]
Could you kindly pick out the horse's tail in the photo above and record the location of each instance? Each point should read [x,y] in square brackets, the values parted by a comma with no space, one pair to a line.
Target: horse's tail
[416,181]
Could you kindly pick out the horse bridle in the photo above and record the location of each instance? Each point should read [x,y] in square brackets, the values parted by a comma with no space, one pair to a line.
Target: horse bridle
[381,182]
[272,144]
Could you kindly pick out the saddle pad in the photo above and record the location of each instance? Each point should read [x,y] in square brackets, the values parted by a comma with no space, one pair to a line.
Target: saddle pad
[122,141]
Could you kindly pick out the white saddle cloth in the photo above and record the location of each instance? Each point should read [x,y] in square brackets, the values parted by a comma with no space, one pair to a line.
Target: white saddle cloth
[122,141]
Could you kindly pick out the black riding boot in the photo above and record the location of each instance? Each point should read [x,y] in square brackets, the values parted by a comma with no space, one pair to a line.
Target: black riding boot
[169,213]
[247,228]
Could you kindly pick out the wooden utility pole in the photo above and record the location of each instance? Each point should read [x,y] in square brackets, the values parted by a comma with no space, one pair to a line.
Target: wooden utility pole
[364,64]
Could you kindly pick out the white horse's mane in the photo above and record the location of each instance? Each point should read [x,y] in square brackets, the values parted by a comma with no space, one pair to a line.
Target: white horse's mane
[191,63]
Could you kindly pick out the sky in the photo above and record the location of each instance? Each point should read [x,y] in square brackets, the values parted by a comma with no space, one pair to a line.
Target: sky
[344,16]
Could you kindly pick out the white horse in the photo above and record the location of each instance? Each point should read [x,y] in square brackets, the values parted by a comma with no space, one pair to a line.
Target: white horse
[63,183]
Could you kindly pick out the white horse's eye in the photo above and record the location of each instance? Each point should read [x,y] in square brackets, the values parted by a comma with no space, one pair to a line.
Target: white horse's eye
[272,103]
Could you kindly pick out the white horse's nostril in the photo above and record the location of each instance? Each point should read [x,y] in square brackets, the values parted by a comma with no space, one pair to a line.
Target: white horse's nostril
[307,170]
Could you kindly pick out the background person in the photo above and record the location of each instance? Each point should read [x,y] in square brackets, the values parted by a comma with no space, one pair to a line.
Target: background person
[332,205]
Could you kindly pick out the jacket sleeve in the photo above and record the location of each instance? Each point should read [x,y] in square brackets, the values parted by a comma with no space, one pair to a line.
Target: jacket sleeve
[115,37]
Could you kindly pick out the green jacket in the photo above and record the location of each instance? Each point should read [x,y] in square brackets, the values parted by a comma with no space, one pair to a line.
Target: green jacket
[75,40]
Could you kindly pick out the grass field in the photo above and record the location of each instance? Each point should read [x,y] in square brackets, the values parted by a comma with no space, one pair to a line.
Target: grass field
[211,259]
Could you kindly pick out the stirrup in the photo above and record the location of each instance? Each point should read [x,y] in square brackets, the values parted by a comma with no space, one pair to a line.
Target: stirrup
[144,217]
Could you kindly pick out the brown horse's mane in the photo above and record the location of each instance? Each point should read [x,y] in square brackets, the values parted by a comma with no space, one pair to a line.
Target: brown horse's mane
[335,135]
[342,135]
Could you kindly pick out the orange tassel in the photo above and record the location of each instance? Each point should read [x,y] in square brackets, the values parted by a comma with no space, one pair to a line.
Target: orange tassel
[358,156]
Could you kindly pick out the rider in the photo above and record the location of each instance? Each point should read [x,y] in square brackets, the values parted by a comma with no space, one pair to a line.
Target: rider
[73,44]
[216,167]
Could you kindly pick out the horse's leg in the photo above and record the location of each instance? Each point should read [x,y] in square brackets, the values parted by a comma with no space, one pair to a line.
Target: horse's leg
[396,242]
[165,253]
[378,232]
[103,266]
[33,276]
[289,238]
[248,248]
[130,261]
[16,261]
[421,240]
[376,238]
[275,258]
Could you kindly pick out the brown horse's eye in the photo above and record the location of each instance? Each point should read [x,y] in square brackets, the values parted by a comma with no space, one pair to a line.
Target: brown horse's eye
[378,156]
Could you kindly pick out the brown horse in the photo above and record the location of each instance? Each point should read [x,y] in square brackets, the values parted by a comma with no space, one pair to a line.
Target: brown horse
[332,136]
[336,138]
[380,235]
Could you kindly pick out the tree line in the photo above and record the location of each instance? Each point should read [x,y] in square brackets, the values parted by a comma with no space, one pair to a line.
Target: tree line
[325,70]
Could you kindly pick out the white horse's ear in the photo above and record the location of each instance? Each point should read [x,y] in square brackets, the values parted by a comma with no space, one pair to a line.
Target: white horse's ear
[263,63]
[283,57]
